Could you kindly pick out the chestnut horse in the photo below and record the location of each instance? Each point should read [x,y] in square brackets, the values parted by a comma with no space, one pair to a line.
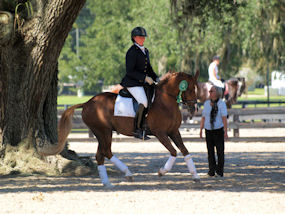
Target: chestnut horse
[163,120]
[234,89]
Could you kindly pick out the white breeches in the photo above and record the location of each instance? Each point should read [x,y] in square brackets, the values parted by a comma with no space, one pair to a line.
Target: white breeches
[217,83]
[139,94]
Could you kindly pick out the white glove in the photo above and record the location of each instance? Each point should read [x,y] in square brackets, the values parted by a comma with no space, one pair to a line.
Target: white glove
[149,80]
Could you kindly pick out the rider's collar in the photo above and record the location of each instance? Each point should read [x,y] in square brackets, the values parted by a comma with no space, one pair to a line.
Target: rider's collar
[141,47]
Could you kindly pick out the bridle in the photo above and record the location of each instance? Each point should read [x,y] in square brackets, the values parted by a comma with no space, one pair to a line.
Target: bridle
[184,100]
[188,102]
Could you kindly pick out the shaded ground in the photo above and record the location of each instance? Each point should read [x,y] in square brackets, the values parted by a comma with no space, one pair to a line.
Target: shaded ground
[253,183]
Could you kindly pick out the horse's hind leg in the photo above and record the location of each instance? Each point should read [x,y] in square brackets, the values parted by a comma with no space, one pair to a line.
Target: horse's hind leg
[100,158]
[122,167]
[176,137]
[104,150]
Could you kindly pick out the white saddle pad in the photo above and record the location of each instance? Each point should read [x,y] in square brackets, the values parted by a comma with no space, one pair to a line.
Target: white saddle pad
[124,107]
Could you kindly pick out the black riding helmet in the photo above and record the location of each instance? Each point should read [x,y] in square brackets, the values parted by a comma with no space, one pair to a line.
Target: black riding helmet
[138,31]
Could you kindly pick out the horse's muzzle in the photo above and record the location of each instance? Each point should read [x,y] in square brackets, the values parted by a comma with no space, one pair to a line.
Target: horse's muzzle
[192,107]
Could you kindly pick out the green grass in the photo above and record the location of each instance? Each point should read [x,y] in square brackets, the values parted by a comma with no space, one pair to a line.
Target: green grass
[257,91]
[257,94]
[262,98]
[72,100]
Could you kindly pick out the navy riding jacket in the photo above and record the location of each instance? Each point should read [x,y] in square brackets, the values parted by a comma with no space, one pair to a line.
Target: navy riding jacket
[137,67]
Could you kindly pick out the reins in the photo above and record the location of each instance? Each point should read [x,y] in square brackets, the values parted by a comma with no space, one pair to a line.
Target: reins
[183,100]
[187,102]
[181,96]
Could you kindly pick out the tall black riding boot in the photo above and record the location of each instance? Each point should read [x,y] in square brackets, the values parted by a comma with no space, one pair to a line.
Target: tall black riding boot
[138,131]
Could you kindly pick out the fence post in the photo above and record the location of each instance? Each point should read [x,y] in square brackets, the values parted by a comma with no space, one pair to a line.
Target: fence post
[236,130]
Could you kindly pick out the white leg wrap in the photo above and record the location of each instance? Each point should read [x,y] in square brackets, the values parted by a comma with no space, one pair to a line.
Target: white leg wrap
[168,165]
[191,166]
[120,165]
[103,175]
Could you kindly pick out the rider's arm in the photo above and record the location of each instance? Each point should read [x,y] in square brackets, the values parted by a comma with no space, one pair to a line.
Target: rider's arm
[150,71]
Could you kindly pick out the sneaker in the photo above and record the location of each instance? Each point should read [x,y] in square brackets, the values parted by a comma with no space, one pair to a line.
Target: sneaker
[211,174]
[220,175]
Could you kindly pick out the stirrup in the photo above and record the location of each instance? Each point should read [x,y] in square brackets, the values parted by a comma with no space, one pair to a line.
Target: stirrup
[138,133]
[145,137]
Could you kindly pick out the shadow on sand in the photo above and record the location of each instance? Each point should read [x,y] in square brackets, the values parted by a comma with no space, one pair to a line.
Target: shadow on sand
[244,172]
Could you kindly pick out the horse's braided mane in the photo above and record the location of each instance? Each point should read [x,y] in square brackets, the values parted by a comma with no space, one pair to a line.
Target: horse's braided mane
[168,76]
[233,79]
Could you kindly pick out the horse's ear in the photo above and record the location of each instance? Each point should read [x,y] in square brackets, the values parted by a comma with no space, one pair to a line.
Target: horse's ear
[171,71]
[197,75]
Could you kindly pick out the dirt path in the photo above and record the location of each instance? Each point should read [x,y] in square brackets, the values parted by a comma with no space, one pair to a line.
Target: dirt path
[253,183]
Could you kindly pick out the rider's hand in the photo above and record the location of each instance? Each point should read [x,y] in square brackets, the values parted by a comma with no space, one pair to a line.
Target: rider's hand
[149,80]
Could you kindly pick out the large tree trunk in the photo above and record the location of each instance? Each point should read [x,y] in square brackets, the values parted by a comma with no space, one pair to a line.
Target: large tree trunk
[28,72]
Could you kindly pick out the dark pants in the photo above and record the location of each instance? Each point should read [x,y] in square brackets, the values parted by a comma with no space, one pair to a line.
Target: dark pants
[215,138]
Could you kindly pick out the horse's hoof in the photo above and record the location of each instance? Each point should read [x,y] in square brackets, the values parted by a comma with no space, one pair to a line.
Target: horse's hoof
[197,180]
[161,172]
[108,186]
[130,178]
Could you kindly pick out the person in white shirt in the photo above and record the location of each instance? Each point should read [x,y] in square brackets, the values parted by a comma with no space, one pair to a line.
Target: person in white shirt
[213,71]
[214,121]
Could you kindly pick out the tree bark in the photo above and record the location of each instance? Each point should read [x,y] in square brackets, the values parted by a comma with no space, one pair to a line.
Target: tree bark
[28,73]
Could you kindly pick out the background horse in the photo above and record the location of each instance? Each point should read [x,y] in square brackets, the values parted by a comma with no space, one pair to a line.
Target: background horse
[234,89]
[163,120]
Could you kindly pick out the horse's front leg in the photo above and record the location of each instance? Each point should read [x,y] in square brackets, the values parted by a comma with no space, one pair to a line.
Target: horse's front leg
[163,138]
[177,139]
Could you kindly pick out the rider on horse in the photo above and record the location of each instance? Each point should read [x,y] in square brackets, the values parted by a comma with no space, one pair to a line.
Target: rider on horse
[138,73]
[214,78]
[213,71]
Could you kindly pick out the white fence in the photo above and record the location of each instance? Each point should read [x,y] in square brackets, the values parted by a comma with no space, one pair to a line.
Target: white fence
[246,118]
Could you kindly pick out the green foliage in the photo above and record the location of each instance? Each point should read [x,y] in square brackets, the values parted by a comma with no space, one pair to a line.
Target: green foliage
[206,29]
[241,32]
[262,30]
[183,35]
[105,40]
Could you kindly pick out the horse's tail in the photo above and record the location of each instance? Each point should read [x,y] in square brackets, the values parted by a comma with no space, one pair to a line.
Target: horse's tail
[65,125]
